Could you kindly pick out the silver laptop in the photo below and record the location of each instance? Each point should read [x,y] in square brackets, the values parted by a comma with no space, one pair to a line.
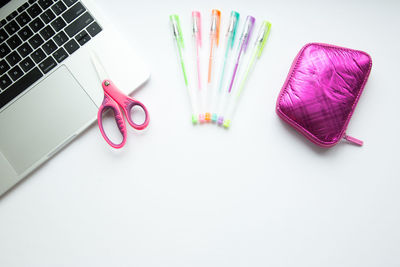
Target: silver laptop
[49,90]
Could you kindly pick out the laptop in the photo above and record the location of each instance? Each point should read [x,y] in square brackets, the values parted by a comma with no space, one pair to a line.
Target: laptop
[49,89]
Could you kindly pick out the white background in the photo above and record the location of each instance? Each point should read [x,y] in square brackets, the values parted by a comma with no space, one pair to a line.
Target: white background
[258,194]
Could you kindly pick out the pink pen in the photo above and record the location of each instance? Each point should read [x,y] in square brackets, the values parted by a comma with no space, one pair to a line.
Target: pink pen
[196,20]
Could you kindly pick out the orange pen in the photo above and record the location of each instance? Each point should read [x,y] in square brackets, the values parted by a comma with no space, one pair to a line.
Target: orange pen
[214,42]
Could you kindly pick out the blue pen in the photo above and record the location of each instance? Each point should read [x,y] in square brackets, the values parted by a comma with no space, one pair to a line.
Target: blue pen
[230,40]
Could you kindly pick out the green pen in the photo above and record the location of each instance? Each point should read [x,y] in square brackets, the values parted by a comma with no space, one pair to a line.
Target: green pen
[256,54]
[177,32]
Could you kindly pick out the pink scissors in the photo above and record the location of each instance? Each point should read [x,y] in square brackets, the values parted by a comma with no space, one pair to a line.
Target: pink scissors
[114,99]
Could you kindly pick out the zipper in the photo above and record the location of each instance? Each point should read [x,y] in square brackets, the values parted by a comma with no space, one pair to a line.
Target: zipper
[352,140]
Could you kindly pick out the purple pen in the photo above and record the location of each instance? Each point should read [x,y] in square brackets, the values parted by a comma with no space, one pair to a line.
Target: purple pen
[243,43]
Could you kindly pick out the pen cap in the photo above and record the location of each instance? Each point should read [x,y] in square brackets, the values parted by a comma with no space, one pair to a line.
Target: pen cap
[215,23]
[262,37]
[196,18]
[232,27]
[176,29]
[247,30]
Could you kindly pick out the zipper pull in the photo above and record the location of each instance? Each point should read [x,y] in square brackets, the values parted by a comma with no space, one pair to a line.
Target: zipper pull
[353,140]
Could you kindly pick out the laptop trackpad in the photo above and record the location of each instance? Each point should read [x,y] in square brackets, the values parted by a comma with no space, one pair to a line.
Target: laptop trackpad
[42,119]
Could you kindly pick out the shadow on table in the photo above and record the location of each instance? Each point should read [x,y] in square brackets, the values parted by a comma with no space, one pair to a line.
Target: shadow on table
[315,148]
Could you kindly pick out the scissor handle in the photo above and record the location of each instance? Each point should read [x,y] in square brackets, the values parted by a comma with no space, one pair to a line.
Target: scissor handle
[127,104]
[109,103]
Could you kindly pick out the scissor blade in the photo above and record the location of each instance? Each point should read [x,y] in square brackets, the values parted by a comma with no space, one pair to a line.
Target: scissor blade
[101,72]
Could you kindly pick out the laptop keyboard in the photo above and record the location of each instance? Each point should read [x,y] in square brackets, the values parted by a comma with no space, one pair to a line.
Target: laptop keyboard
[38,36]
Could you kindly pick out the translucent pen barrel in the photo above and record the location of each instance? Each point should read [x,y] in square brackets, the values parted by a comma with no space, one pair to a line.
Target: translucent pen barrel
[211,60]
[198,92]
[211,85]
[196,23]
[258,48]
[229,42]
[177,32]
[228,95]
[197,60]
[219,92]
[234,98]
[191,92]
[197,42]
[226,57]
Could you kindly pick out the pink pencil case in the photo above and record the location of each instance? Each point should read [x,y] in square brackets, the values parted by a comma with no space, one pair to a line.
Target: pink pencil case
[321,92]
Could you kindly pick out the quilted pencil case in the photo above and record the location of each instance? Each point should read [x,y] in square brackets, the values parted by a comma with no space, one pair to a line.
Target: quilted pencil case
[321,92]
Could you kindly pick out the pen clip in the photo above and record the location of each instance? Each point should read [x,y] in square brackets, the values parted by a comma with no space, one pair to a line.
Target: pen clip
[215,23]
[262,37]
[232,28]
[247,30]
[196,18]
[176,29]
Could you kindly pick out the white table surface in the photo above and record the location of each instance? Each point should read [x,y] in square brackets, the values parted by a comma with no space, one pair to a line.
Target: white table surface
[258,194]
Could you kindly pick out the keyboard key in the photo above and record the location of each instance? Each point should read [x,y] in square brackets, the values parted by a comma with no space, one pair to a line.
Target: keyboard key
[23,19]
[58,24]
[38,55]
[3,35]
[93,29]
[4,50]
[27,64]
[3,22]
[47,16]
[32,1]
[24,50]
[36,24]
[14,41]
[3,67]
[74,12]
[60,55]
[49,47]
[36,41]
[13,58]
[47,64]
[47,32]
[15,73]
[69,2]
[19,86]
[45,3]
[79,24]
[12,15]
[34,11]
[25,33]
[71,46]
[60,38]
[12,27]
[5,81]
[23,7]
[82,38]
[59,7]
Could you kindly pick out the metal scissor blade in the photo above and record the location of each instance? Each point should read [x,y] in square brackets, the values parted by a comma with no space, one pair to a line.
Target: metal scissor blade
[101,72]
